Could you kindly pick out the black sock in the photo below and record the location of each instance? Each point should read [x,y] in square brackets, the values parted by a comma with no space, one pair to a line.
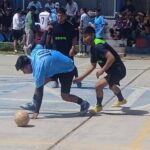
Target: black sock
[119,96]
[79,101]
[99,101]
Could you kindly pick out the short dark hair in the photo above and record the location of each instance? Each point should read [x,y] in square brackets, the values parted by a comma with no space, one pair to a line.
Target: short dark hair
[22,61]
[47,9]
[89,30]
[32,8]
[61,10]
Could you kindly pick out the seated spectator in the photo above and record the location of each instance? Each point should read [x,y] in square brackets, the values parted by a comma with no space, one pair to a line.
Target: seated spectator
[139,29]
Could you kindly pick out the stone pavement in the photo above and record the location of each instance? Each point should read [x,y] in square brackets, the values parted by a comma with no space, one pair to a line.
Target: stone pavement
[60,127]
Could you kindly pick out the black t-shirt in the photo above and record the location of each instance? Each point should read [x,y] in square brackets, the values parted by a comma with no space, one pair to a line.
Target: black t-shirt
[98,53]
[62,37]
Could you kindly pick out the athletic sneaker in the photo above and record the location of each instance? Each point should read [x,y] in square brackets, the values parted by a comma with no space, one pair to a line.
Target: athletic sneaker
[95,109]
[84,107]
[119,103]
[79,85]
[28,106]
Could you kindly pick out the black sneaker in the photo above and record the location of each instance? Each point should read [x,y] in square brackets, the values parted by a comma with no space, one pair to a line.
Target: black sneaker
[84,107]
[79,85]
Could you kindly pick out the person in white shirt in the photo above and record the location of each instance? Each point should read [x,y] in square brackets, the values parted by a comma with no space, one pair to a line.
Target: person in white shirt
[17,28]
[44,18]
[71,8]
[50,4]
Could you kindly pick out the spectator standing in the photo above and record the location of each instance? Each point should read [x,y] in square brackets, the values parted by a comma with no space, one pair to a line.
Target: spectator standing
[30,27]
[38,7]
[64,36]
[17,28]
[44,18]
[71,9]
[50,5]
[84,22]
[5,4]
[99,23]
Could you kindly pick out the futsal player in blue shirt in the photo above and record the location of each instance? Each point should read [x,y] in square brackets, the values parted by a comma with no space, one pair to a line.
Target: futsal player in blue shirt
[46,65]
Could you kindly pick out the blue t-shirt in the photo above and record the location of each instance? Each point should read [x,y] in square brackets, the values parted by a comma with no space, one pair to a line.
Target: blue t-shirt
[47,63]
[99,23]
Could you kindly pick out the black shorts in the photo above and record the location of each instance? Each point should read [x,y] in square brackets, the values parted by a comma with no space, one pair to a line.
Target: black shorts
[114,77]
[65,80]
[17,34]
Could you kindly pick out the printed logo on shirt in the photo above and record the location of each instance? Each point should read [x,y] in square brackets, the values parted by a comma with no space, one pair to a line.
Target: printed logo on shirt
[60,38]
[100,62]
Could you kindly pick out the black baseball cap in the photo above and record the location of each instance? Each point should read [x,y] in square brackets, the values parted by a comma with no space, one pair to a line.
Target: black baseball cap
[22,61]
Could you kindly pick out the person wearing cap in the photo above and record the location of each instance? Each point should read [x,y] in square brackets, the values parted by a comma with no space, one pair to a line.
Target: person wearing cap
[110,63]
[45,65]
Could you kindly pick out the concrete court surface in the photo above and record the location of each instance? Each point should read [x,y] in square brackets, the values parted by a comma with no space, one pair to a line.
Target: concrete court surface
[59,126]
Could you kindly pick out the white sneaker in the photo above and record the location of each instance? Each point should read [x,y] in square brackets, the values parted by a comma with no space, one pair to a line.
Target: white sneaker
[79,54]
[15,51]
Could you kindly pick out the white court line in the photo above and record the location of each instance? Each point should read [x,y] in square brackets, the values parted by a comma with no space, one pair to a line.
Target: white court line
[134,97]
[28,100]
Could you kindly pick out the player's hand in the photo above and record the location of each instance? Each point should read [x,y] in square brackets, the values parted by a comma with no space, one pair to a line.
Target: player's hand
[72,52]
[77,79]
[99,73]
[34,116]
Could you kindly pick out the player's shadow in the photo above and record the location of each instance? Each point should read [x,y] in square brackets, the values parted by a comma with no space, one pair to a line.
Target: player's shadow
[63,115]
[84,88]
[126,111]
[28,126]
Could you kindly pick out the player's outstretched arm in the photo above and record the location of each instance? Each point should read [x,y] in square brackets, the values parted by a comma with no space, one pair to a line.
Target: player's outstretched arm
[86,73]
[38,96]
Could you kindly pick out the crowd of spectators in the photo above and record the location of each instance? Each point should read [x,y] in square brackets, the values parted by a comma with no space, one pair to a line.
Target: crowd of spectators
[129,24]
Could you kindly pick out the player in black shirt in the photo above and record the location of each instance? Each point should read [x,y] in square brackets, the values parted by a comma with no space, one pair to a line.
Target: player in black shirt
[64,36]
[110,63]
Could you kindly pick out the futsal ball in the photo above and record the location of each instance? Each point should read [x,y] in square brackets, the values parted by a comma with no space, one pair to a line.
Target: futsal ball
[22,118]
